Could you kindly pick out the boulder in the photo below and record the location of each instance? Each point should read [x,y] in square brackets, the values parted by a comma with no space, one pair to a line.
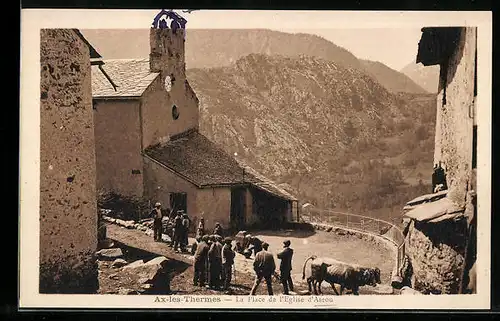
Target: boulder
[341,232]
[160,260]
[119,263]
[165,238]
[123,291]
[129,224]
[329,229]
[153,274]
[406,290]
[109,254]
[149,232]
[120,222]
[133,264]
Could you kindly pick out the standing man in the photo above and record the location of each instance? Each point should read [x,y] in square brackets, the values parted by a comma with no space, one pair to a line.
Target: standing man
[286,267]
[177,230]
[215,262]
[157,215]
[264,268]
[227,262]
[185,231]
[200,262]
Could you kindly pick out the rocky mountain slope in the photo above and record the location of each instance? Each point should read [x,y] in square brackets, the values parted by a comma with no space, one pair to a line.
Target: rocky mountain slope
[426,76]
[207,48]
[330,134]
[393,80]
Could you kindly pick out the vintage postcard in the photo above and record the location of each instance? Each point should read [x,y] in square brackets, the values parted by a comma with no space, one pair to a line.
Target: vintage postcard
[180,159]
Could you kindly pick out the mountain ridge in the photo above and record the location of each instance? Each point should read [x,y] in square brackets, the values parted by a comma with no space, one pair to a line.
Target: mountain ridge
[207,48]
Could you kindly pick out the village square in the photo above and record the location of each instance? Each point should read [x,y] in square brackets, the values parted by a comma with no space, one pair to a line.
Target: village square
[136,199]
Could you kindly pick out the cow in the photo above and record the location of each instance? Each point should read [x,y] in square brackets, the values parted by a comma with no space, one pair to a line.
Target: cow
[348,276]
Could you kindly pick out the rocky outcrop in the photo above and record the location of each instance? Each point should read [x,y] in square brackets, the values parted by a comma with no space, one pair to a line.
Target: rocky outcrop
[436,251]
[109,254]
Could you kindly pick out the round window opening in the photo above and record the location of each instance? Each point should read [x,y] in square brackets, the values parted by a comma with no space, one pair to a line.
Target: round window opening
[175,112]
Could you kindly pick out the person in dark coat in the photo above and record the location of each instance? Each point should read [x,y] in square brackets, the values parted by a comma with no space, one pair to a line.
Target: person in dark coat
[177,230]
[264,268]
[228,255]
[157,215]
[200,262]
[185,232]
[286,267]
[215,262]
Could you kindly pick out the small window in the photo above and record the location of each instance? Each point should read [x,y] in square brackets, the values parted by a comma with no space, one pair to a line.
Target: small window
[175,112]
[136,171]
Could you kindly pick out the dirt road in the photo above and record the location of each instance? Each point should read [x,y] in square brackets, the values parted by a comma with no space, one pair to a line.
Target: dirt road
[344,248]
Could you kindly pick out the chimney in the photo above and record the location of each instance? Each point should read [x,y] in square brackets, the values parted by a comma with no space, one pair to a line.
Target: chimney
[166,39]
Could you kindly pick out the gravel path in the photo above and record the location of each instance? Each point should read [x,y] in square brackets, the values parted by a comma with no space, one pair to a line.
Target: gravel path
[346,248]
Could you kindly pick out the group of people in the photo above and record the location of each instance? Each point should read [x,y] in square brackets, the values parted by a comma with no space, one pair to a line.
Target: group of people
[214,255]
[214,261]
[179,222]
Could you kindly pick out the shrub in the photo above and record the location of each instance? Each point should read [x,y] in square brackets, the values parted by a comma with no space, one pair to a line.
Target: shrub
[123,207]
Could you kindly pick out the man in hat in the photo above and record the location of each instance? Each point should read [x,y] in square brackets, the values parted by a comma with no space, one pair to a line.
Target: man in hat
[286,267]
[185,231]
[215,262]
[264,268]
[177,230]
[218,229]
[200,262]
[157,215]
[227,262]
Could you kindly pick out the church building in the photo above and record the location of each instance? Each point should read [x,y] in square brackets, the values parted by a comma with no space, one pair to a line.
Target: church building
[148,144]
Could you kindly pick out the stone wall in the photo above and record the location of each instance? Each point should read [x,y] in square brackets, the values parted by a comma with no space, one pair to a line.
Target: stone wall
[118,146]
[455,112]
[436,252]
[216,205]
[68,209]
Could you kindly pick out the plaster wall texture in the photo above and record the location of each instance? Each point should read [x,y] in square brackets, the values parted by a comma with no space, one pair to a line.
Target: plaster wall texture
[118,146]
[68,209]
[455,117]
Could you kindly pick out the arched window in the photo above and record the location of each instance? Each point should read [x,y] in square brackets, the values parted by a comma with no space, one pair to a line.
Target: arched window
[175,112]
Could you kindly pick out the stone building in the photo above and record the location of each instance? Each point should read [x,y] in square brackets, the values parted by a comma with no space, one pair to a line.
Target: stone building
[68,209]
[148,144]
[440,228]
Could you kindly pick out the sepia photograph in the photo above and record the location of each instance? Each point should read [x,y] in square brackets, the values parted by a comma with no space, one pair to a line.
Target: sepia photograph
[184,160]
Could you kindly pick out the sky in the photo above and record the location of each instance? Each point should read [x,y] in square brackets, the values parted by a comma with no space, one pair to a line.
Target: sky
[395,48]
[390,37]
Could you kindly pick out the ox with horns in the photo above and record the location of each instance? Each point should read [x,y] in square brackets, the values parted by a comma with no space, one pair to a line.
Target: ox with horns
[348,276]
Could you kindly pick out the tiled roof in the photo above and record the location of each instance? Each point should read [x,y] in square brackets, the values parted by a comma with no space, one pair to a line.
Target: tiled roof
[260,181]
[132,77]
[202,162]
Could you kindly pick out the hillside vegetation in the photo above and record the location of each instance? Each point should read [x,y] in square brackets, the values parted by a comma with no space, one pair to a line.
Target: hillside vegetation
[332,135]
